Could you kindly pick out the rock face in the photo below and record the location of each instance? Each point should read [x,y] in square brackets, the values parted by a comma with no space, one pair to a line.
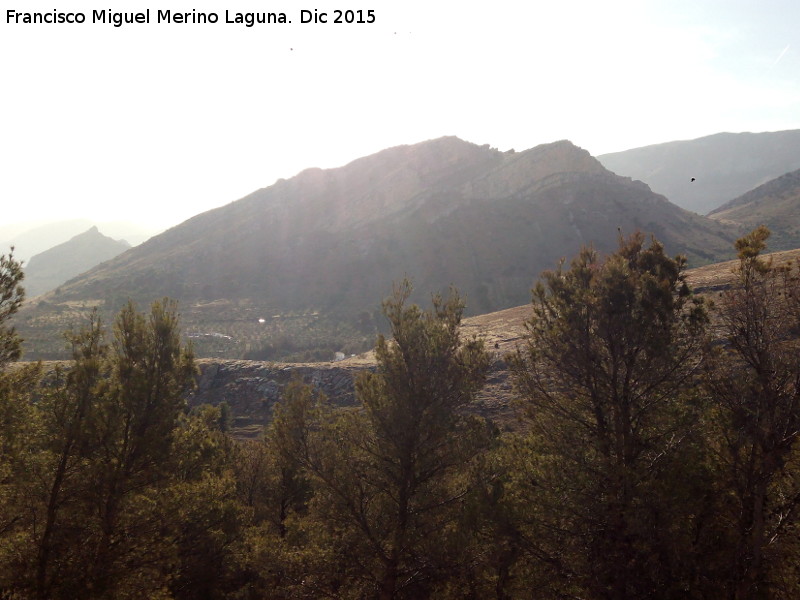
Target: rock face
[252,388]
[724,166]
[330,243]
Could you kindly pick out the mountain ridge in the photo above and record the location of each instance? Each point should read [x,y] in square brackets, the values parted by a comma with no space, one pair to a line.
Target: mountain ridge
[30,239]
[775,204]
[331,242]
[703,173]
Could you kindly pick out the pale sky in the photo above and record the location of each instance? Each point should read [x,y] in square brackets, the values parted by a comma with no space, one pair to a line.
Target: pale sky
[155,123]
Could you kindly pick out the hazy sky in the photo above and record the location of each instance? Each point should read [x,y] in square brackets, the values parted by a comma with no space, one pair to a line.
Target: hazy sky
[158,122]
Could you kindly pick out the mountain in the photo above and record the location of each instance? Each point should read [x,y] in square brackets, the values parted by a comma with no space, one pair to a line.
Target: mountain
[311,257]
[51,268]
[38,237]
[775,204]
[724,166]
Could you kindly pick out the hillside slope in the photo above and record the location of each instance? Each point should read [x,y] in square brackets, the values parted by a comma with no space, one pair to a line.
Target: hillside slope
[251,388]
[775,204]
[315,254]
[724,166]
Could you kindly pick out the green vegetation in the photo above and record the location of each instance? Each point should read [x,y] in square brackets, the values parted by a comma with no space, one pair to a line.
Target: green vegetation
[612,348]
[221,329]
[754,383]
[389,479]
[656,456]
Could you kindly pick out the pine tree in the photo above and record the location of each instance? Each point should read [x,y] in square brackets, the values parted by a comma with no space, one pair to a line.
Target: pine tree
[202,520]
[275,486]
[754,380]
[12,295]
[611,350]
[18,425]
[66,447]
[149,375]
[390,476]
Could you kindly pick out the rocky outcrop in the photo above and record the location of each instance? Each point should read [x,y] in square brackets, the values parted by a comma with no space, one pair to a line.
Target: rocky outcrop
[252,388]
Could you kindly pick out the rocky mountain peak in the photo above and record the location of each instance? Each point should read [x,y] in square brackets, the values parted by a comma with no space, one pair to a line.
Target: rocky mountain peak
[327,245]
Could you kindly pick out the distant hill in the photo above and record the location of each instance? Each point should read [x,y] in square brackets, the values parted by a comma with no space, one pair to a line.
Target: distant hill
[49,269]
[38,237]
[311,257]
[724,166]
[775,204]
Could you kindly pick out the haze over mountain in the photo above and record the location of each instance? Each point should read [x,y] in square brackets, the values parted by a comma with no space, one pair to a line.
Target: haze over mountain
[49,269]
[329,243]
[724,166]
[775,204]
[34,238]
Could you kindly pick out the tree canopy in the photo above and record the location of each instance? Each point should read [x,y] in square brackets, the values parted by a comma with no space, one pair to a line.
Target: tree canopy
[655,456]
